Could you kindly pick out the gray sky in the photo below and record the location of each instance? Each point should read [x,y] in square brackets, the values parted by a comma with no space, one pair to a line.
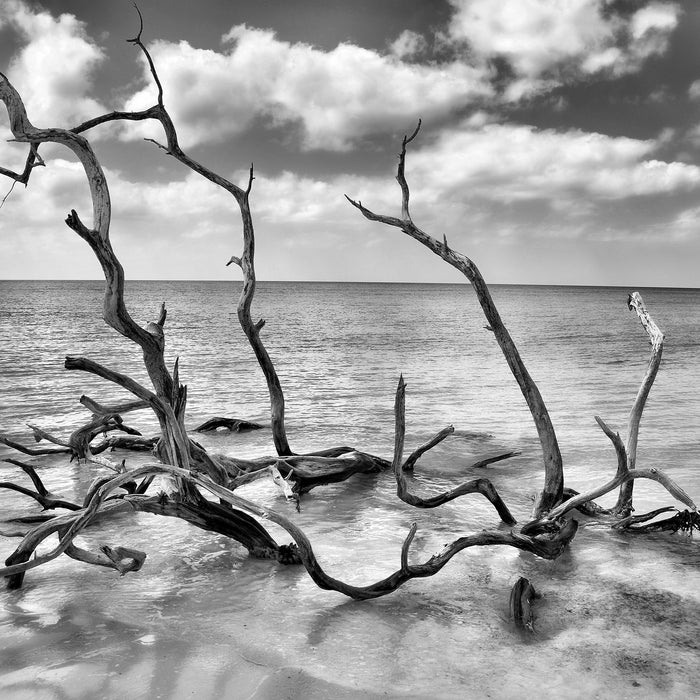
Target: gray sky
[561,139]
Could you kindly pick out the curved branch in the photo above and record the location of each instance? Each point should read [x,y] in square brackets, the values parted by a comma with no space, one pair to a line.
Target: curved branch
[411,460]
[482,486]
[98,409]
[70,524]
[622,476]
[122,559]
[554,480]
[86,365]
[33,160]
[252,329]
[33,451]
[246,262]
[42,495]
[656,338]
[548,548]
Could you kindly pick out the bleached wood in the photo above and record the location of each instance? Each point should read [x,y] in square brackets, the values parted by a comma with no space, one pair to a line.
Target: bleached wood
[554,480]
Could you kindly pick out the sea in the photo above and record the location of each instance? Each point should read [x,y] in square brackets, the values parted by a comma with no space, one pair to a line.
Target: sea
[618,613]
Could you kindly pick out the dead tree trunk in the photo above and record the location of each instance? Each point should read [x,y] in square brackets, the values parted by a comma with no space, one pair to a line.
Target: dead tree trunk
[196,473]
[554,480]
[656,338]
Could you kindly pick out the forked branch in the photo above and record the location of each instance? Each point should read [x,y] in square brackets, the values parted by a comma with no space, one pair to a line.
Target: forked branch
[482,486]
[554,481]
[656,339]
[71,525]
[623,475]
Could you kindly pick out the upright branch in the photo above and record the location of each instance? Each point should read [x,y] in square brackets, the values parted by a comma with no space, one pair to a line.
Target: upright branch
[482,486]
[150,339]
[656,339]
[246,262]
[252,329]
[551,494]
[623,475]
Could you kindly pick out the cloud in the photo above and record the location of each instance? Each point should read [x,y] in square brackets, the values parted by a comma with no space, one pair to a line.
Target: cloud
[509,162]
[559,39]
[491,188]
[55,90]
[694,90]
[337,97]
[407,44]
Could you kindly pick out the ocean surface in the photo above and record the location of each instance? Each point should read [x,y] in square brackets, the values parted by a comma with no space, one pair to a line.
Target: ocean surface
[619,613]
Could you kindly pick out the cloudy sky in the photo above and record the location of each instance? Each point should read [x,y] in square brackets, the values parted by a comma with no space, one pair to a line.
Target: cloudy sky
[561,138]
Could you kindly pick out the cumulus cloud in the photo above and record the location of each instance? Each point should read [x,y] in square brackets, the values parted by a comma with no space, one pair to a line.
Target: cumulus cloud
[408,43]
[508,162]
[336,96]
[694,90]
[479,182]
[340,96]
[548,38]
[53,69]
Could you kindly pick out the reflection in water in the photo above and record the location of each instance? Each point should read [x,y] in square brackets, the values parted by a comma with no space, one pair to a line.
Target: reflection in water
[618,617]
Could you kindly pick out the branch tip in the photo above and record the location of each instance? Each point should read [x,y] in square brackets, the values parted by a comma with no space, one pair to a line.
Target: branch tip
[137,39]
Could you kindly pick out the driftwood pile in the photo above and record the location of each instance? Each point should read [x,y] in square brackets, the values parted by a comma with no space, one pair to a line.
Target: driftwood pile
[204,485]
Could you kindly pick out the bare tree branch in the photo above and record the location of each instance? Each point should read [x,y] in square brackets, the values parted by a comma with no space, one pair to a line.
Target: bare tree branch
[554,481]
[656,338]
[482,486]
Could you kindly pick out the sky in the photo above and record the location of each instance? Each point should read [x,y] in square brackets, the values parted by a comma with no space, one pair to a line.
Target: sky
[560,140]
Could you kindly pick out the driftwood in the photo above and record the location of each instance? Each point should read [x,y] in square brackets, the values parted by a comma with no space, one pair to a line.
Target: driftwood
[685,521]
[41,495]
[70,525]
[482,486]
[234,425]
[656,338]
[551,503]
[78,444]
[185,458]
[522,596]
[197,476]
[554,478]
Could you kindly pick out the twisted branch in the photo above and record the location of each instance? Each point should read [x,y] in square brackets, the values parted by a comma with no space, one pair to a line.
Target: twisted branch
[554,481]
[482,486]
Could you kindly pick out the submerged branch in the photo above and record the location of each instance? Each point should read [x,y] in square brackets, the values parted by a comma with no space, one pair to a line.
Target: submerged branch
[482,486]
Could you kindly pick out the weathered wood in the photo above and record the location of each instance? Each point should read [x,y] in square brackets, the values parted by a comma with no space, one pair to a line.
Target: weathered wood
[590,508]
[69,525]
[411,460]
[115,314]
[122,559]
[482,486]
[234,425]
[622,475]
[522,596]
[100,410]
[246,261]
[554,479]
[310,471]
[18,563]
[684,520]
[656,339]
[33,451]
[46,499]
[124,442]
[214,517]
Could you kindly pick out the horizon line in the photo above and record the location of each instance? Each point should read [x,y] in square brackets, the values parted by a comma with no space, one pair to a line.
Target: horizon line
[299,281]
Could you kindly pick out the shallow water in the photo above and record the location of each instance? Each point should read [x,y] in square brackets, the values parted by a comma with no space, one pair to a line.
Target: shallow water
[619,614]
